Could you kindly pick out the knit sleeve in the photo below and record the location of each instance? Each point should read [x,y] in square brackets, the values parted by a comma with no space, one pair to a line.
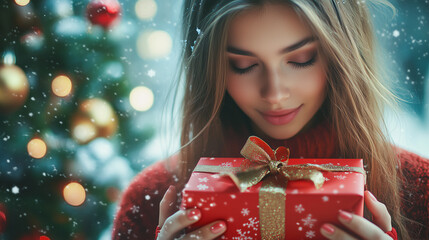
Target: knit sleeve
[138,212]
[415,204]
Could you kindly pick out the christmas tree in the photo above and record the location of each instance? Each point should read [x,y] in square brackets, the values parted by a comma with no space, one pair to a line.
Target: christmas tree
[77,110]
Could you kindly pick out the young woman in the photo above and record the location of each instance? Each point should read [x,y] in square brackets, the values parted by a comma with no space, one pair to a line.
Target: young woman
[297,73]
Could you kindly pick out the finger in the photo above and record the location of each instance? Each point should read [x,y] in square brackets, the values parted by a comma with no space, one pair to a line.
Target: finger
[361,226]
[166,206]
[381,216]
[178,221]
[210,231]
[332,232]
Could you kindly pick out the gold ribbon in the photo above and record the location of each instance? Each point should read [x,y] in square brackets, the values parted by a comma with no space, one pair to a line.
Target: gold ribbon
[262,162]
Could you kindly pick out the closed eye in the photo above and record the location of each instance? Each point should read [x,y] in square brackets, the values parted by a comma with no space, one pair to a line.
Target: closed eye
[304,64]
[242,70]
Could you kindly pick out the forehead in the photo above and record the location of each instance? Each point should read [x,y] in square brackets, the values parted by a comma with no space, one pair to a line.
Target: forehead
[272,25]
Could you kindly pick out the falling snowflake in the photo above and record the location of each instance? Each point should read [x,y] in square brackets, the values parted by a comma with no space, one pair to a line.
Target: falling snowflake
[310,234]
[202,187]
[242,235]
[340,177]
[396,33]
[309,221]
[226,164]
[252,223]
[299,208]
[135,209]
[151,73]
[15,190]
[325,198]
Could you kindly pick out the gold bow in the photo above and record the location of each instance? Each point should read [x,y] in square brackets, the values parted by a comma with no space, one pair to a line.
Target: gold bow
[261,161]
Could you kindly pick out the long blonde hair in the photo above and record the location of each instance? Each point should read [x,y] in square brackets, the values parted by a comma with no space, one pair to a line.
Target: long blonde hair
[356,93]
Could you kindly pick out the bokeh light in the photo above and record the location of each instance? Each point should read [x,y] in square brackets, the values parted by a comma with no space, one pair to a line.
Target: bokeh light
[36,148]
[74,194]
[154,44]
[61,86]
[146,9]
[22,2]
[141,98]
[44,238]
[84,131]
[100,111]
[94,118]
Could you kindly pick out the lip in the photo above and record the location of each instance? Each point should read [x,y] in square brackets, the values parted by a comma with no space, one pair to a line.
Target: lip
[280,117]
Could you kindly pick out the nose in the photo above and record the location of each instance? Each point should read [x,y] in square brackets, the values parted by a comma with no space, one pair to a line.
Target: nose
[274,87]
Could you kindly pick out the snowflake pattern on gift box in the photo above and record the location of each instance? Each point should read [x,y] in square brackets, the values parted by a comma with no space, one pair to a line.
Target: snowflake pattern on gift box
[309,221]
[242,235]
[204,179]
[252,223]
[299,208]
[340,177]
[310,234]
[202,187]
[226,164]
[245,212]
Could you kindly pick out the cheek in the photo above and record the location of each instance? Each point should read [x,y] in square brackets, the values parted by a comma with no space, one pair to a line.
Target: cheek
[241,90]
[313,85]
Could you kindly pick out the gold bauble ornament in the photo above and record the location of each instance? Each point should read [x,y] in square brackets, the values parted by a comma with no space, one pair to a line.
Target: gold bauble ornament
[94,118]
[14,88]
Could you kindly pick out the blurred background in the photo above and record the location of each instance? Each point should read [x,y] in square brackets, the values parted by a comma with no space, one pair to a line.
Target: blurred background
[83,86]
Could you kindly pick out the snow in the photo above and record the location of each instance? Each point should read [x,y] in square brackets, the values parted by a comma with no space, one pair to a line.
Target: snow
[15,190]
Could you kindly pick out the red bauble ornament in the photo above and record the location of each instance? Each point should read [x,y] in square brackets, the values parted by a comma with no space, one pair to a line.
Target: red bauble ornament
[2,221]
[103,12]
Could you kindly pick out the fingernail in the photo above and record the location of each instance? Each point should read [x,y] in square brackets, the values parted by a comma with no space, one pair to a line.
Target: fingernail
[170,188]
[328,229]
[346,216]
[194,214]
[218,227]
[372,196]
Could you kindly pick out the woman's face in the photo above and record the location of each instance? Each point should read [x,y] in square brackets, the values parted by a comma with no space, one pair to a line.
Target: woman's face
[276,75]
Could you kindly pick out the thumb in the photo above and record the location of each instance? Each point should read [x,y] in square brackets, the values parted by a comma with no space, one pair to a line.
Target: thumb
[381,216]
[166,206]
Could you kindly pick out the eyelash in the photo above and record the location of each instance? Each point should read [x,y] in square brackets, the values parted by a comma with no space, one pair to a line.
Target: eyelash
[294,65]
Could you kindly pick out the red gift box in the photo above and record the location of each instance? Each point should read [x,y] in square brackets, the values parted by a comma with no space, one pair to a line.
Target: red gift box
[305,207]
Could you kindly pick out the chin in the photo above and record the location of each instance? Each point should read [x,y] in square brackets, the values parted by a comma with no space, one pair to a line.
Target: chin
[281,135]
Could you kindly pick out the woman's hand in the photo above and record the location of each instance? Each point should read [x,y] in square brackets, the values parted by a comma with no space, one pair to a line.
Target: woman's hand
[172,223]
[360,226]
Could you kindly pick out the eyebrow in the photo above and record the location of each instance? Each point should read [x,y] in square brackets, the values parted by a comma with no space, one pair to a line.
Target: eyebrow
[290,48]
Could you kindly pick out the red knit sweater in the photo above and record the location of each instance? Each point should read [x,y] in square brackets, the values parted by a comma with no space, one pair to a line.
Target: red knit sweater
[138,212]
